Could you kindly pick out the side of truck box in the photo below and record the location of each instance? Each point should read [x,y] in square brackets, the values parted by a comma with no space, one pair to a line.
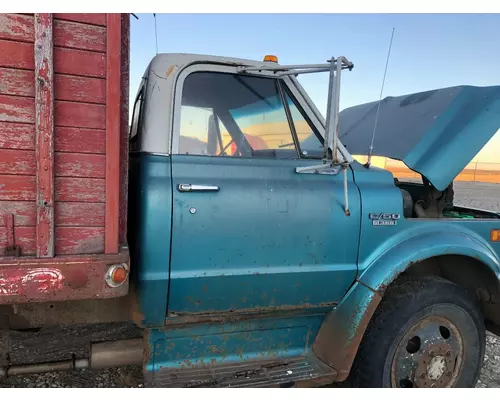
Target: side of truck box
[63,155]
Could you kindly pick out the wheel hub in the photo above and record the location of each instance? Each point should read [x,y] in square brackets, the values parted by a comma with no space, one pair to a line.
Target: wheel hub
[435,367]
[428,356]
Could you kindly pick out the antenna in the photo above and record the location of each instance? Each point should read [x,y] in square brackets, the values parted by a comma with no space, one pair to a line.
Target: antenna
[379,102]
[156,33]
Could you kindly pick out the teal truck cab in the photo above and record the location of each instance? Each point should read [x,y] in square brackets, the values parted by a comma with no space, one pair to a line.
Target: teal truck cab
[263,254]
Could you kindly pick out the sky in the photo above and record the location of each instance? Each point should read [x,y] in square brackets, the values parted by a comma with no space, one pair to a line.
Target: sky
[429,51]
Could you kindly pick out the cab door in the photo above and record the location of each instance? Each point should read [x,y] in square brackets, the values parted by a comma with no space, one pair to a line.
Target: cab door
[248,232]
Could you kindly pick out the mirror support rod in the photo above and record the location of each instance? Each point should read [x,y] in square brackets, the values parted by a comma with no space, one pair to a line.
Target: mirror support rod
[334,66]
[331,164]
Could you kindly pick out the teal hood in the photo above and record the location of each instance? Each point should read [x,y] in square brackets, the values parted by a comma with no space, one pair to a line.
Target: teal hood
[435,133]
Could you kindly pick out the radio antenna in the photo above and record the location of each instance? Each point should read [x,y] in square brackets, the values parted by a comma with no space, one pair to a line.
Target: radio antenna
[156,33]
[368,162]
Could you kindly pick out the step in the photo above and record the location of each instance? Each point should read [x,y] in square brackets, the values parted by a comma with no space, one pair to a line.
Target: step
[263,373]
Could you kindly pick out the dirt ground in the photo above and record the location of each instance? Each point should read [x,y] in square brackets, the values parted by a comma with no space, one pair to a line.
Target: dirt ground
[479,195]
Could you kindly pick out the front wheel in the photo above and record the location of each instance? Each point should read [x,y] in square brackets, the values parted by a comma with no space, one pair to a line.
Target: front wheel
[427,332]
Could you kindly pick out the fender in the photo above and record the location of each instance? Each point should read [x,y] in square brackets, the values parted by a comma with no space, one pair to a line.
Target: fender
[343,328]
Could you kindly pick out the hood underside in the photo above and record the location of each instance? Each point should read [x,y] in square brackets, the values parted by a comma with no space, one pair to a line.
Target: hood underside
[435,133]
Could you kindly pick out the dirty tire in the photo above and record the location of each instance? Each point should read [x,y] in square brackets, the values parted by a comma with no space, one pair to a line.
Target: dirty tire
[405,304]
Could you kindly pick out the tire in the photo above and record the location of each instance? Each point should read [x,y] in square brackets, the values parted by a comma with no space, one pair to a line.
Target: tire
[426,332]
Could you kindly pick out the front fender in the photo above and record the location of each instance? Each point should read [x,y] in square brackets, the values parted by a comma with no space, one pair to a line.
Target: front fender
[339,336]
[395,260]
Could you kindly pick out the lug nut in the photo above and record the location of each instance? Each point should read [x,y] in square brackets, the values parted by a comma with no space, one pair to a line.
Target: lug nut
[448,353]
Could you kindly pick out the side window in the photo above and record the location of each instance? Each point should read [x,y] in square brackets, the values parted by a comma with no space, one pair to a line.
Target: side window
[231,115]
[310,144]
[136,123]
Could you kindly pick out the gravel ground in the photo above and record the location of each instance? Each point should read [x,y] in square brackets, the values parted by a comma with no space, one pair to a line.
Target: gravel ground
[479,195]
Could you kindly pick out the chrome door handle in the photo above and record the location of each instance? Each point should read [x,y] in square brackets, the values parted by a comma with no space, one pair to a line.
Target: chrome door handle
[187,187]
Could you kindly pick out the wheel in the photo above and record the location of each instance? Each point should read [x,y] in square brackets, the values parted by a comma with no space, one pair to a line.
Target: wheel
[427,332]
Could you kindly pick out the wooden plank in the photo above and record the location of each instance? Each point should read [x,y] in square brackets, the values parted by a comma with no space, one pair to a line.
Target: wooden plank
[66,33]
[80,88]
[125,56]
[25,238]
[18,187]
[79,214]
[80,165]
[17,136]
[17,27]
[89,18]
[66,213]
[79,140]
[19,82]
[24,212]
[23,188]
[79,36]
[80,115]
[80,189]
[79,62]
[70,140]
[79,240]
[17,162]
[44,134]
[66,61]
[16,54]
[17,109]
[23,162]
[113,85]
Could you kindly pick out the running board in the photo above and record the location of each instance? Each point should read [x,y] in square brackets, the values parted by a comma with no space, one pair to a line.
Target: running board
[263,373]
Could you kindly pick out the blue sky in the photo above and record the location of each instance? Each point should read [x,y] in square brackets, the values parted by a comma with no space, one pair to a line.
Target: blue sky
[429,50]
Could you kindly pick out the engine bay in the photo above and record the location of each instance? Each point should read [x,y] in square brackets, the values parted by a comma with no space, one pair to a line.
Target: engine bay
[423,200]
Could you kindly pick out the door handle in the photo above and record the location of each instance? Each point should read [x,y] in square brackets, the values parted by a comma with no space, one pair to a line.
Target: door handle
[187,187]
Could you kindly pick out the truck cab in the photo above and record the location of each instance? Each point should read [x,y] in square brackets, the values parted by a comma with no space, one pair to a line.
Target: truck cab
[263,253]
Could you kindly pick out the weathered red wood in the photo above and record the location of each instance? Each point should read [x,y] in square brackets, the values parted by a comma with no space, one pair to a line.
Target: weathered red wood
[24,236]
[80,165]
[16,54]
[66,61]
[23,188]
[66,34]
[94,19]
[80,115]
[27,279]
[71,140]
[66,213]
[80,189]
[18,82]
[17,27]
[17,136]
[79,240]
[24,212]
[125,56]
[18,187]
[80,88]
[80,140]
[17,109]
[79,62]
[17,162]
[79,36]
[44,128]
[23,162]
[79,214]
[9,224]
[113,119]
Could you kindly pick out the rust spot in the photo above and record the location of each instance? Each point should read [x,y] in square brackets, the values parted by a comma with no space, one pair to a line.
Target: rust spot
[170,70]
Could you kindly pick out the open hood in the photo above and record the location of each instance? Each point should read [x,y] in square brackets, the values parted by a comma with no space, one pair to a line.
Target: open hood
[435,133]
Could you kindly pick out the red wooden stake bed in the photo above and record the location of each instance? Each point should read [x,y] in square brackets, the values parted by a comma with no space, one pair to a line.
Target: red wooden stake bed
[63,155]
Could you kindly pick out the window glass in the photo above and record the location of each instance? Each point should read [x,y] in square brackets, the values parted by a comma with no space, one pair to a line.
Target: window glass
[233,115]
